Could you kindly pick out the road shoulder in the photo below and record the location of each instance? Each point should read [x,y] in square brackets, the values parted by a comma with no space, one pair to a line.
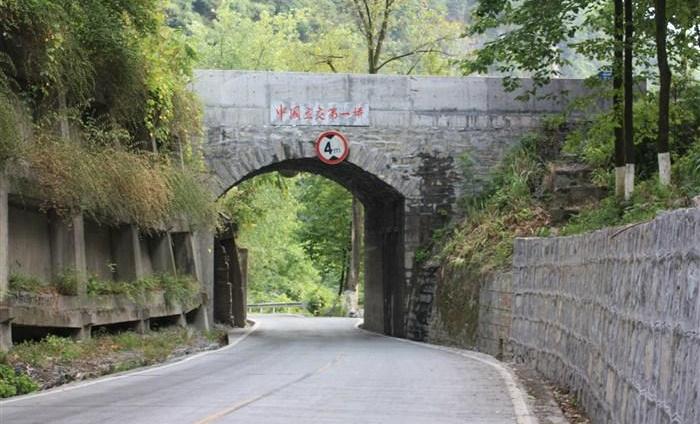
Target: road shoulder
[235,337]
[523,404]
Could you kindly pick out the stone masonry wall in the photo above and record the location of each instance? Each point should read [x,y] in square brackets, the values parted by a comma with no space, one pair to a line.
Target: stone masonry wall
[495,315]
[615,317]
[472,311]
[454,312]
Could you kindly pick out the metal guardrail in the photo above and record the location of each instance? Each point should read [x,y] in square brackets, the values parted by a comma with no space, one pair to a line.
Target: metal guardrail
[275,306]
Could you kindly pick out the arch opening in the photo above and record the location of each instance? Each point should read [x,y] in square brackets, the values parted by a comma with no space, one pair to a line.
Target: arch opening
[384,272]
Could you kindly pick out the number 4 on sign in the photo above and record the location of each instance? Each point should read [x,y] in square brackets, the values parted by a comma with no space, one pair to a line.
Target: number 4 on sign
[332,147]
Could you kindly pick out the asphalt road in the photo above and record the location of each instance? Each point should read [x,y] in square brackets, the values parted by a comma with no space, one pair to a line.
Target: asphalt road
[290,370]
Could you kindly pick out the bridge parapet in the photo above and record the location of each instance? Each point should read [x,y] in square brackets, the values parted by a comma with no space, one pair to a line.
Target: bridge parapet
[243,98]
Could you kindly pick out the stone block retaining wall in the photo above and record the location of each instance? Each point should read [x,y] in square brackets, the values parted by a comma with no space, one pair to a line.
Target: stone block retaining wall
[472,311]
[495,315]
[615,316]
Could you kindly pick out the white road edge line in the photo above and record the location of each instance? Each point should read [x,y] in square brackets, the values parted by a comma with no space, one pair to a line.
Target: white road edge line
[143,370]
[518,398]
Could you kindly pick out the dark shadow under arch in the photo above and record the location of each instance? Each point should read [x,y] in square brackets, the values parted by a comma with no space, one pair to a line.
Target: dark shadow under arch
[366,186]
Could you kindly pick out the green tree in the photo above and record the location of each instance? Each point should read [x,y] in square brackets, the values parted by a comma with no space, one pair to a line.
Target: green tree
[406,34]
[104,59]
[665,77]
[628,79]
[326,226]
[279,269]
[535,34]
[618,81]
[325,36]
[90,79]
[298,40]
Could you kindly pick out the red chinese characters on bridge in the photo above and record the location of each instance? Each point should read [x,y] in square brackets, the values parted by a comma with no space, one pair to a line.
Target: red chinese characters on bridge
[333,114]
[280,111]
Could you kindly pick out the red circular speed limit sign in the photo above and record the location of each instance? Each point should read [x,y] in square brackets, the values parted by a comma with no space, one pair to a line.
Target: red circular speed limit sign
[332,147]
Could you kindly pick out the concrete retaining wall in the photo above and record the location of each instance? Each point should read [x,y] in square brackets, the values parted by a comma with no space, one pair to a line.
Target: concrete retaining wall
[73,312]
[98,251]
[615,316]
[43,245]
[29,246]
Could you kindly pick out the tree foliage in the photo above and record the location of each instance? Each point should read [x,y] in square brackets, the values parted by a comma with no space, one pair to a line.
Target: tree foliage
[325,217]
[113,78]
[592,141]
[297,231]
[655,40]
[537,38]
[113,61]
[278,268]
[326,36]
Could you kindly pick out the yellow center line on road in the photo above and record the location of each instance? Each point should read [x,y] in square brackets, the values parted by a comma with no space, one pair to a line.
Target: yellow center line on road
[235,407]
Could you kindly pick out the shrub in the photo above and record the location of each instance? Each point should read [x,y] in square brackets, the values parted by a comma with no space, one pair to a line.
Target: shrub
[26,283]
[53,355]
[648,200]
[318,300]
[178,289]
[95,286]
[161,344]
[127,340]
[506,209]
[117,184]
[11,115]
[67,283]
[190,199]
[13,383]
[49,350]
[217,335]
[687,170]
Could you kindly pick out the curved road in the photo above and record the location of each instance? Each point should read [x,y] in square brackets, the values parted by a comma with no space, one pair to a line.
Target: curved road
[290,370]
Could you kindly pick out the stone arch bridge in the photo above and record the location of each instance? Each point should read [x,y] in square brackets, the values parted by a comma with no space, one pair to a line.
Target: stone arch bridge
[404,161]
